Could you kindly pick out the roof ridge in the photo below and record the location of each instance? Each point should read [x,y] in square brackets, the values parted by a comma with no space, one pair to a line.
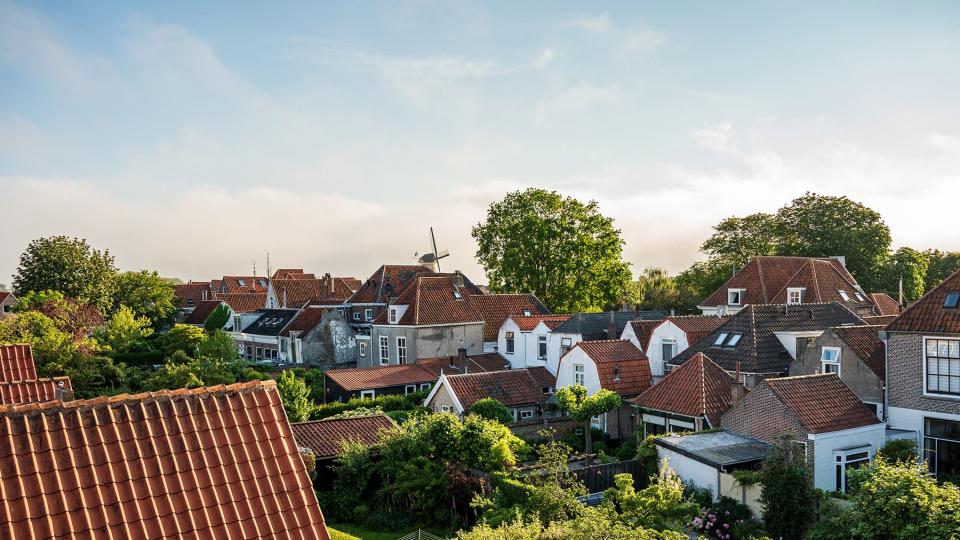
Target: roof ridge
[703,385]
[763,282]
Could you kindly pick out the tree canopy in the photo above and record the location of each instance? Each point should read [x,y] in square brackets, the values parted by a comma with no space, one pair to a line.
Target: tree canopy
[147,295]
[295,396]
[564,251]
[492,409]
[583,407]
[70,266]
[654,288]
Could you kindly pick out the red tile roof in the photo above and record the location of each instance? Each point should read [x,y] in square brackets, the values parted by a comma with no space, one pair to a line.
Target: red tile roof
[4,295]
[696,327]
[475,363]
[622,367]
[527,324]
[380,376]
[32,391]
[16,363]
[190,294]
[202,311]
[697,388]
[306,320]
[243,302]
[434,300]
[292,273]
[865,341]
[643,329]
[822,403]
[513,388]
[239,284]
[217,462]
[388,281]
[928,314]
[325,437]
[885,304]
[495,308]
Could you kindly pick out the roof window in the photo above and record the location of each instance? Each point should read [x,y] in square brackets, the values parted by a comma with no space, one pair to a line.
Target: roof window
[859,296]
[721,338]
[733,340]
[526,313]
[844,295]
[952,299]
[242,282]
[457,295]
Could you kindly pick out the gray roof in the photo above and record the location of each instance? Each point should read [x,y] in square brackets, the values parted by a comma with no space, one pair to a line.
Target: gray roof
[593,326]
[271,322]
[718,448]
[758,349]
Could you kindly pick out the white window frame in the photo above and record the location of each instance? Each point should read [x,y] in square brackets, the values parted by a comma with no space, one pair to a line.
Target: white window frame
[926,381]
[565,345]
[424,386]
[368,394]
[721,338]
[363,348]
[542,347]
[356,315]
[368,314]
[844,295]
[579,374]
[525,414]
[824,362]
[409,389]
[384,350]
[739,293]
[841,460]
[511,341]
[798,291]
[445,408]
[672,342]
[401,349]
[393,315]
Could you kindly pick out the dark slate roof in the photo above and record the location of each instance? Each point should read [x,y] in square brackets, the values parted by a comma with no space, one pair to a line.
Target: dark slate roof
[203,310]
[718,448]
[594,325]
[271,322]
[759,350]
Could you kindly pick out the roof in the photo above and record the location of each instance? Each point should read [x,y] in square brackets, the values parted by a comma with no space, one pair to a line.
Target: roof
[202,311]
[243,302]
[217,462]
[292,273]
[356,379]
[239,284]
[698,326]
[192,293]
[512,388]
[527,324]
[475,363]
[885,304]
[436,299]
[880,320]
[271,322]
[594,325]
[621,366]
[822,403]
[495,308]
[928,314]
[16,363]
[306,320]
[759,350]
[717,448]
[388,281]
[32,391]
[6,294]
[864,340]
[643,330]
[300,289]
[326,437]
[766,280]
[698,388]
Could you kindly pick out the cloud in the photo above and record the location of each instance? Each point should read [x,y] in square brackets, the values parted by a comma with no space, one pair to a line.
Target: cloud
[946,143]
[576,98]
[543,59]
[597,24]
[632,39]
[642,40]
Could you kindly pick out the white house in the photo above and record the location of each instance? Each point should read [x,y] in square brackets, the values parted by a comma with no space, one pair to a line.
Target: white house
[524,341]
[608,325]
[675,335]
[524,391]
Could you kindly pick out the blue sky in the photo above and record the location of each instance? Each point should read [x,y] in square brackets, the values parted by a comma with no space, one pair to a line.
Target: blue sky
[192,138]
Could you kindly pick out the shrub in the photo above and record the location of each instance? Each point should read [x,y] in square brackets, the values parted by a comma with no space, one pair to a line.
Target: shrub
[627,450]
[787,497]
[726,519]
[899,450]
[339,535]
[492,409]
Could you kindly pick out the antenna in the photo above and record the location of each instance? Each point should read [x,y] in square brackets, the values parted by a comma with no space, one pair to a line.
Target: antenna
[254,268]
[268,263]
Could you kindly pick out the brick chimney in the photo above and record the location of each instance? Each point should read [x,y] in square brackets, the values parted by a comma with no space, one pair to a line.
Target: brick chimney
[612,327]
[63,393]
[331,285]
[462,360]
[736,389]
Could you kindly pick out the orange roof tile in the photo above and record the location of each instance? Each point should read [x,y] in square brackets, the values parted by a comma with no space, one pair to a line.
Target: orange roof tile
[16,363]
[325,437]
[864,340]
[929,314]
[436,299]
[32,391]
[885,304]
[475,363]
[513,388]
[387,282]
[306,320]
[698,326]
[643,329]
[243,302]
[822,403]
[622,367]
[697,388]
[380,376]
[879,320]
[495,308]
[217,462]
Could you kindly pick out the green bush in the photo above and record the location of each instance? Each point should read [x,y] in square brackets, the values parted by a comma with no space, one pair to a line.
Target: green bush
[338,535]
[627,450]
[387,404]
[900,450]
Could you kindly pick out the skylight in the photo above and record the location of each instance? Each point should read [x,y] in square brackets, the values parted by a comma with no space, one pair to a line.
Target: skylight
[720,339]
[242,282]
[844,294]
[953,298]
[859,296]
[734,339]
[457,295]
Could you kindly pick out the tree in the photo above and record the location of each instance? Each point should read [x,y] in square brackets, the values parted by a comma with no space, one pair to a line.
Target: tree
[940,264]
[182,337]
[654,289]
[295,396]
[70,266]
[148,295]
[217,319]
[583,408]
[492,409]
[124,332]
[787,497]
[52,347]
[659,506]
[911,266]
[820,226]
[556,247]
[899,450]
[183,371]
[701,279]
[219,345]
[736,240]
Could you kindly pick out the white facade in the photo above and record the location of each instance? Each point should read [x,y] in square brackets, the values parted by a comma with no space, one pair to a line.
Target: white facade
[845,444]
[558,344]
[667,336]
[692,471]
[631,336]
[912,420]
[578,368]
[526,348]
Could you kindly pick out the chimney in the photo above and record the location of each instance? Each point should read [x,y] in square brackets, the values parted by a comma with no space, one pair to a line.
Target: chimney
[331,285]
[203,294]
[462,359]
[458,279]
[63,393]
[284,297]
[612,327]
[736,389]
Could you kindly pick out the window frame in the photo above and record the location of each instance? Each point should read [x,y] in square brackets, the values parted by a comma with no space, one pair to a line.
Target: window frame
[368,394]
[367,314]
[393,315]
[424,386]
[511,342]
[955,297]
[362,346]
[795,290]
[356,315]
[938,394]
[526,414]
[542,347]
[721,339]
[401,349]
[579,374]
[409,389]
[833,363]
[739,292]
[930,454]
[384,343]
[844,295]
[843,459]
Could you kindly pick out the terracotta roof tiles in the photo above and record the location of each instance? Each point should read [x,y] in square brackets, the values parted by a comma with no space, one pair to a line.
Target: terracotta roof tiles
[388,281]
[32,391]
[929,314]
[306,320]
[698,326]
[865,341]
[527,324]
[885,304]
[243,302]
[621,366]
[495,308]
[380,376]
[643,330]
[698,388]
[326,437]
[512,388]
[16,363]
[475,363]
[822,403]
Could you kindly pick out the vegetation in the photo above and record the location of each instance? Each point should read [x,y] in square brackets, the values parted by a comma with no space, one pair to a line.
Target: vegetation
[124,331]
[899,450]
[787,497]
[492,409]
[583,408]
[148,295]
[217,319]
[556,247]
[654,289]
[295,396]
[388,403]
[69,266]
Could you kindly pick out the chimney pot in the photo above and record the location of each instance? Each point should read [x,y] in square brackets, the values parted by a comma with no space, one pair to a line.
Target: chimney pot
[462,359]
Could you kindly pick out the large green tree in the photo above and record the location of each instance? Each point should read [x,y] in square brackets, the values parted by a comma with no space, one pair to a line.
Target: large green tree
[124,331]
[654,289]
[909,265]
[583,407]
[940,264]
[736,239]
[70,266]
[564,251]
[148,295]
[295,396]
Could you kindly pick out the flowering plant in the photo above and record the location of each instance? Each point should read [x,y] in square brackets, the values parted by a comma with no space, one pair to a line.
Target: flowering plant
[715,524]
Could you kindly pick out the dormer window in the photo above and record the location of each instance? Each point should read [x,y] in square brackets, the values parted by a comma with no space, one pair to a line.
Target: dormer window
[795,295]
[242,283]
[952,299]
[720,339]
[735,297]
[526,313]
[844,295]
[393,315]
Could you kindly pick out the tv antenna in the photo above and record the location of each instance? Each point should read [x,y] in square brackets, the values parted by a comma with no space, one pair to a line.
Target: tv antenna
[433,258]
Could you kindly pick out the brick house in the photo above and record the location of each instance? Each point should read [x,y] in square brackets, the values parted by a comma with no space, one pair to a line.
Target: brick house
[371,297]
[923,376]
[836,429]
[524,391]
[855,353]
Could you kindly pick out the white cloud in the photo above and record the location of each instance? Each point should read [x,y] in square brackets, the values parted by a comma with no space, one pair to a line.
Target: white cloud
[642,40]
[543,59]
[579,97]
[947,143]
[597,24]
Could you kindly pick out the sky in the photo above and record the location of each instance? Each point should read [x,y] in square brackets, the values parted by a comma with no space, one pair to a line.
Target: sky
[194,137]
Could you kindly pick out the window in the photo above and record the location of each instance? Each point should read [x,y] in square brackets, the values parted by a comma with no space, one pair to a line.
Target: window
[424,386]
[942,366]
[616,373]
[510,343]
[242,283]
[668,348]
[542,347]
[951,301]
[843,294]
[409,389]
[457,295]
[356,315]
[733,340]
[236,323]
[720,339]
[735,296]
[259,353]
[445,408]
[651,428]
[846,461]
[368,314]
[565,344]
[941,447]
[384,349]
[401,350]
[363,348]
[524,415]
[393,315]
[794,295]
[283,345]
[526,313]
[367,394]
[578,374]
[859,296]
[830,360]
[249,352]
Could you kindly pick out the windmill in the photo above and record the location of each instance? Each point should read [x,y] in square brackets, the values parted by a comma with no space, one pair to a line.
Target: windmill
[433,258]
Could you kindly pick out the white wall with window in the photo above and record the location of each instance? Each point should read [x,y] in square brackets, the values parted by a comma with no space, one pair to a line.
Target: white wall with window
[384,350]
[830,360]
[735,297]
[577,368]
[530,348]
[558,346]
[848,443]
[362,348]
[941,446]
[666,341]
[401,350]
[368,394]
[789,339]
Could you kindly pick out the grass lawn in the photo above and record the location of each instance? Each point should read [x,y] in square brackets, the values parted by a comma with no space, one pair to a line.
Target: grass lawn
[364,534]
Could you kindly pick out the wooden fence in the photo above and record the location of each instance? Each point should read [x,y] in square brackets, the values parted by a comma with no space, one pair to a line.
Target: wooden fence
[599,477]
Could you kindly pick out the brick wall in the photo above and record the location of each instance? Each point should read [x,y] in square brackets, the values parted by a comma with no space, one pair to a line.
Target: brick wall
[905,376]
[560,427]
[762,416]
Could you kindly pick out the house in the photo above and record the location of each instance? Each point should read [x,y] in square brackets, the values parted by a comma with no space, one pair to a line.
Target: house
[201,312]
[19,383]
[473,363]
[591,327]
[789,280]
[692,397]
[923,376]
[616,365]
[523,340]
[674,335]
[7,302]
[260,340]
[855,353]
[245,307]
[371,298]
[838,432]
[760,341]
[297,289]
[524,391]
[326,437]
[638,332]
[318,337]
[217,462]
[495,308]
[187,295]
